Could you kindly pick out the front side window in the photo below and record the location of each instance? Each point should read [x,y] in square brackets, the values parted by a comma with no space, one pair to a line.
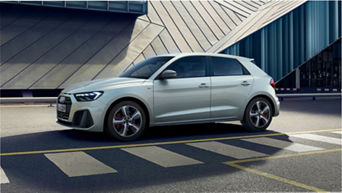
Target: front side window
[146,68]
[227,67]
[189,67]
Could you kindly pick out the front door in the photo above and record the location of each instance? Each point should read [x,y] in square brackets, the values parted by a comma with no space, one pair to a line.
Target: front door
[186,97]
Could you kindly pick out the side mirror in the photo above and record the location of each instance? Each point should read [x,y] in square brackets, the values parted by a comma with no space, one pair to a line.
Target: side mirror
[168,74]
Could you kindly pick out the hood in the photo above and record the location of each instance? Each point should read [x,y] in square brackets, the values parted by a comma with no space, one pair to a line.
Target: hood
[97,85]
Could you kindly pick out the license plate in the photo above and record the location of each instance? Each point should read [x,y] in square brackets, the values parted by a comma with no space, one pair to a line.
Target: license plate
[61,108]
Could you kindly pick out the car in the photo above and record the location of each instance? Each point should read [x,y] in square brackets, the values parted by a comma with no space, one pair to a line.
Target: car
[172,89]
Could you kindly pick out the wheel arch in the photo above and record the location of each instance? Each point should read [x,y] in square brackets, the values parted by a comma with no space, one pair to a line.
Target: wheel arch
[268,98]
[142,104]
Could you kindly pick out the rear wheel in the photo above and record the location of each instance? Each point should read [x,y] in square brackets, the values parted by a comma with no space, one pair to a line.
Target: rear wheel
[258,115]
[126,121]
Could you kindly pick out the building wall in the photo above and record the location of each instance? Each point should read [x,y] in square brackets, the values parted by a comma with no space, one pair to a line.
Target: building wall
[43,48]
[292,39]
[51,48]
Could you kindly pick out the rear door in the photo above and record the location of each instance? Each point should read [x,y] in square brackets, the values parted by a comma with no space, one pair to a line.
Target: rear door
[231,84]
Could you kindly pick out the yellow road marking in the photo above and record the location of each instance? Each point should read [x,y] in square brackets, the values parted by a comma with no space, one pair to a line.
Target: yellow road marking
[281,179]
[271,176]
[283,156]
[159,143]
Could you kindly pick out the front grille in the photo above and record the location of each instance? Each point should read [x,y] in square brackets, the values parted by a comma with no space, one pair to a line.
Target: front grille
[63,115]
[68,103]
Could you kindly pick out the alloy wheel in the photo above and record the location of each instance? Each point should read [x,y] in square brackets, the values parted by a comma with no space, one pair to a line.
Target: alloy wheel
[127,121]
[260,114]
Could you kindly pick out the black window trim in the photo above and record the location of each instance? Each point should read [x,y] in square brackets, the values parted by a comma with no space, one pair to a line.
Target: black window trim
[211,70]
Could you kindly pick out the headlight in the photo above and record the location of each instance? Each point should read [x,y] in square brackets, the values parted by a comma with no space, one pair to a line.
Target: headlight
[88,96]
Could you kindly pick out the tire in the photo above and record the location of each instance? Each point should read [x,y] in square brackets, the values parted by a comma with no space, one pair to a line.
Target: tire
[129,123]
[254,112]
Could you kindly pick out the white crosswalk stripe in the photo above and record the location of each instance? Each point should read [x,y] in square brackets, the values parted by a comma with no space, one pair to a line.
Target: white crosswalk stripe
[337,132]
[291,146]
[162,157]
[78,164]
[319,138]
[227,150]
[3,177]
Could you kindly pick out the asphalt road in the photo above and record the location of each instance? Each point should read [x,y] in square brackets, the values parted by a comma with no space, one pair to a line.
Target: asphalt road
[300,152]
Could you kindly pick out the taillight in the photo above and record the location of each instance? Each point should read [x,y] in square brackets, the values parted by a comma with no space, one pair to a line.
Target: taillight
[272,84]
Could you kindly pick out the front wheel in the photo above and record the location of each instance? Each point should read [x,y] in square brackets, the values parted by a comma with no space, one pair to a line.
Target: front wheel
[258,115]
[126,121]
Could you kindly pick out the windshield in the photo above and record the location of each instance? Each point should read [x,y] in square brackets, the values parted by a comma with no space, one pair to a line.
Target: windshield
[146,68]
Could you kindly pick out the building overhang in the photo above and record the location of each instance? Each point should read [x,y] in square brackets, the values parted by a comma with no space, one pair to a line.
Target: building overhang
[131,7]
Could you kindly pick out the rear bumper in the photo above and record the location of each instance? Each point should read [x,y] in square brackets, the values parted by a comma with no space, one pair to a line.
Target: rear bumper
[276,107]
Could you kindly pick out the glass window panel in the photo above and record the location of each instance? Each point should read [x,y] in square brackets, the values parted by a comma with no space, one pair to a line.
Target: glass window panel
[54,3]
[32,2]
[189,67]
[146,68]
[100,5]
[226,67]
[118,5]
[76,4]
[136,7]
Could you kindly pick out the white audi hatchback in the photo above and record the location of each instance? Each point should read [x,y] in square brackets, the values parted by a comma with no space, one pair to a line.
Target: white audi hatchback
[169,90]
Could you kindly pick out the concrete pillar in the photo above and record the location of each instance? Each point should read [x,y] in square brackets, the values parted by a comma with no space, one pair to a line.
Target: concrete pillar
[297,78]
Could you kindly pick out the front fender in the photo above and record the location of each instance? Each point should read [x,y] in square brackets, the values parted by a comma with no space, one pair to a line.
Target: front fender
[142,93]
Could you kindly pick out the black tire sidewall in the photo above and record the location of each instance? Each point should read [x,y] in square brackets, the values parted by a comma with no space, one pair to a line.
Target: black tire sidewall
[248,125]
[110,127]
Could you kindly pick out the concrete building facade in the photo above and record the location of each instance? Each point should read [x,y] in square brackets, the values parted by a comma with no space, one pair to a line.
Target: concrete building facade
[48,47]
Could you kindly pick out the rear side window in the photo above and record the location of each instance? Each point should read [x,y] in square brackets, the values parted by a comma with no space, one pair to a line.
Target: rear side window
[227,67]
[189,67]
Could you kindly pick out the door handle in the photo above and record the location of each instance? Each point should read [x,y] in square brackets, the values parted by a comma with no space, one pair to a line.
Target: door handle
[203,85]
[245,83]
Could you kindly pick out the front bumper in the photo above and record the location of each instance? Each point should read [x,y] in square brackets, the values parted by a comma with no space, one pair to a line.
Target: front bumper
[87,116]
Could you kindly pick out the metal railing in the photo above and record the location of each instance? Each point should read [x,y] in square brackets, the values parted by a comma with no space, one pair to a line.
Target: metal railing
[28,100]
[312,95]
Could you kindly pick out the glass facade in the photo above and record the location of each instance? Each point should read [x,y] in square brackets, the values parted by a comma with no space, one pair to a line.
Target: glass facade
[321,71]
[135,7]
[292,39]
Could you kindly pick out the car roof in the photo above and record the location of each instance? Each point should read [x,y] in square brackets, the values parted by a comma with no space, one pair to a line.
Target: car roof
[204,54]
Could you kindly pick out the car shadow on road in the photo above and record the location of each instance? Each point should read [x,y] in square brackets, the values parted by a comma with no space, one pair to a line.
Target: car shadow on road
[69,138]
[36,172]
